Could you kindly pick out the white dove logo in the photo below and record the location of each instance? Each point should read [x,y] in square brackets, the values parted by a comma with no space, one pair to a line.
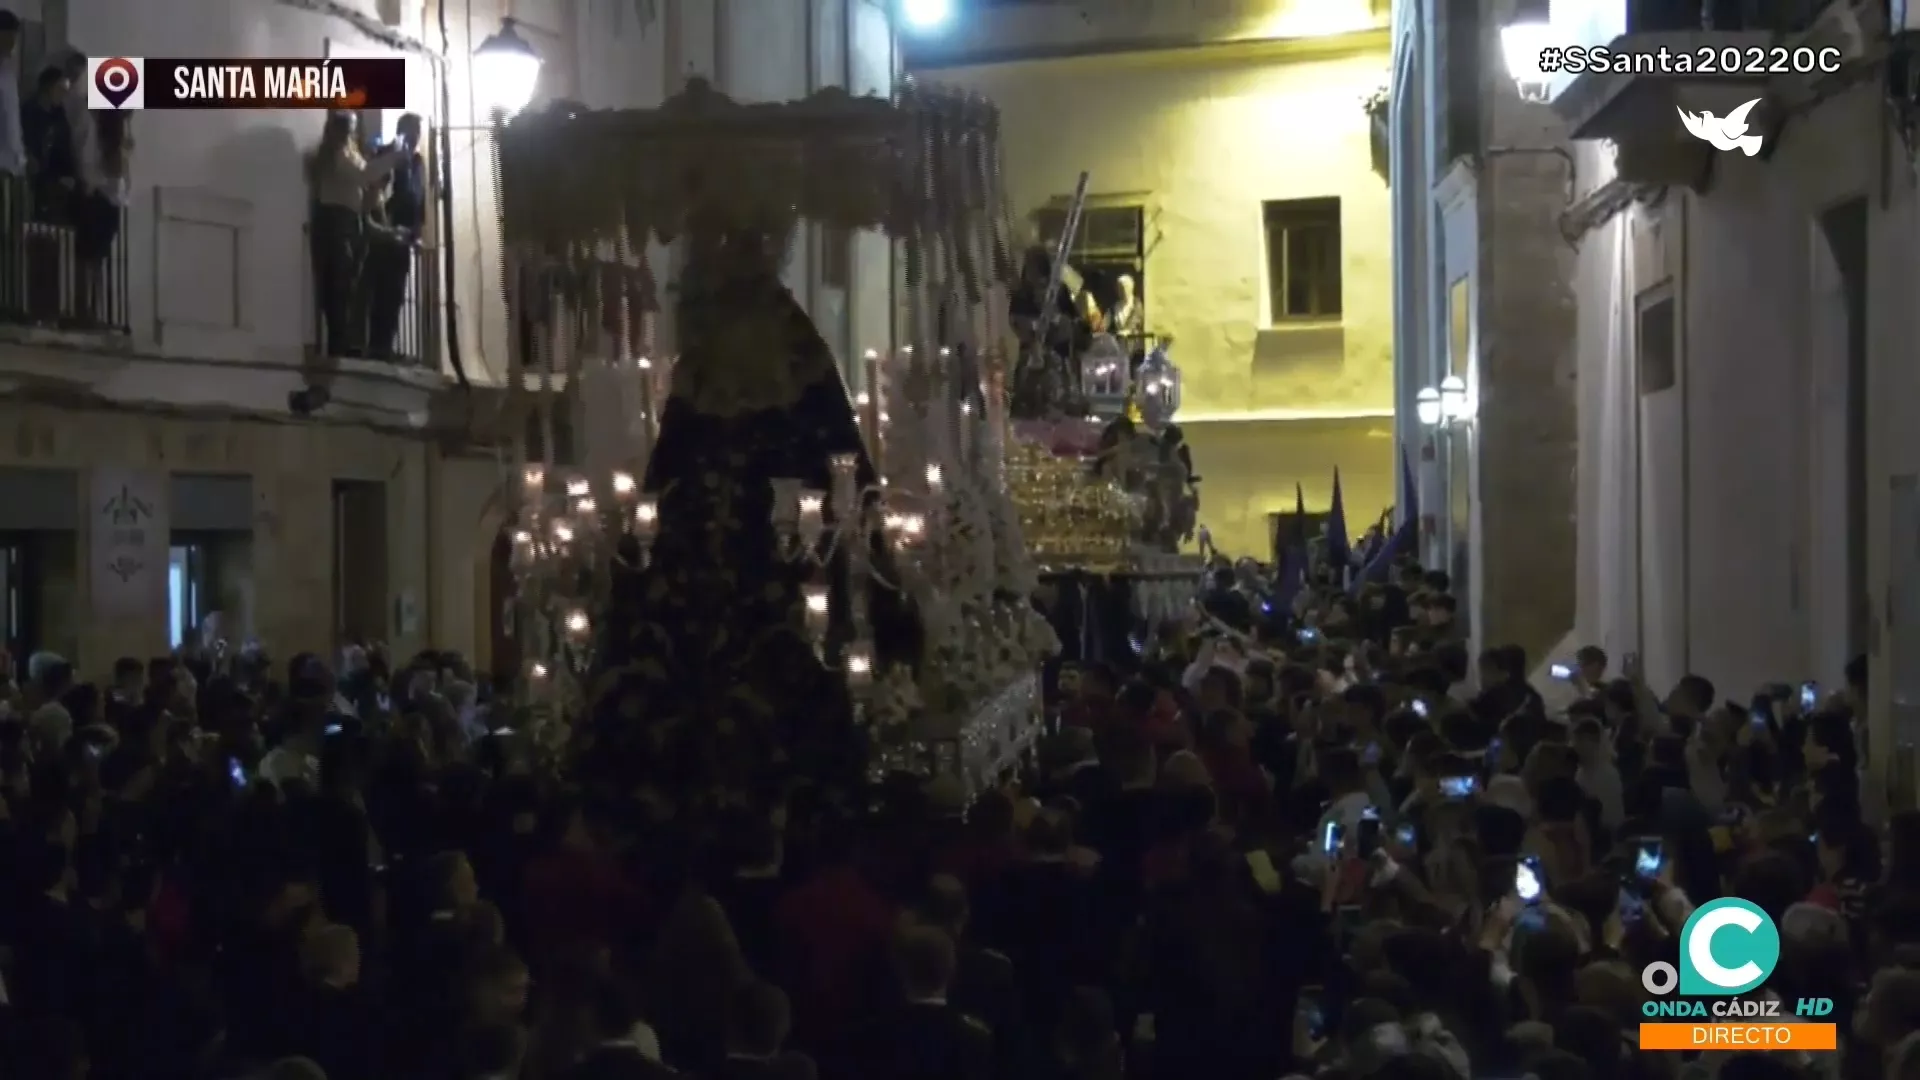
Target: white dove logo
[1727,132]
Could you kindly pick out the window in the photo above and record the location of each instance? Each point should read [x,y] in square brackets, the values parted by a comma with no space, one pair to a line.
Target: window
[1653,333]
[1108,234]
[1109,246]
[1303,259]
[184,603]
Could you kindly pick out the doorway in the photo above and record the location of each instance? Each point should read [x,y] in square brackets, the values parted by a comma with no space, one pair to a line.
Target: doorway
[359,561]
[20,562]
[1839,609]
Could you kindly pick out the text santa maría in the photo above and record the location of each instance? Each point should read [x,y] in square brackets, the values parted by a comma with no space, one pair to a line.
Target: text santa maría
[259,82]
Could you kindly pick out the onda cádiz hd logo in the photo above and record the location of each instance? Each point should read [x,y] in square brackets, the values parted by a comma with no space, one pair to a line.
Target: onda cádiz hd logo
[1727,950]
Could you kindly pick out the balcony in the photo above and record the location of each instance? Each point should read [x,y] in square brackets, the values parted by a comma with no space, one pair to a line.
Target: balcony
[63,268]
[392,309]
[1636,108]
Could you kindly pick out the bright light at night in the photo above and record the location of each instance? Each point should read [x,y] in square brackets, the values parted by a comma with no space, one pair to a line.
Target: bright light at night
[926,14]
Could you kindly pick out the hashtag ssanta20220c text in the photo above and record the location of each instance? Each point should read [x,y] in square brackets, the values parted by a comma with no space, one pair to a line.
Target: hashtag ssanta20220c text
[1704,61]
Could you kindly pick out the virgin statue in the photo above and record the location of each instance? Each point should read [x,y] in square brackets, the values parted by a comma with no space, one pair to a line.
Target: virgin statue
[705,679]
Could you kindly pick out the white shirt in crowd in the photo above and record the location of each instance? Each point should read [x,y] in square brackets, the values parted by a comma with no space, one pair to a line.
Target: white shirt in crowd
[1601,781]
[284,763]
[13,140]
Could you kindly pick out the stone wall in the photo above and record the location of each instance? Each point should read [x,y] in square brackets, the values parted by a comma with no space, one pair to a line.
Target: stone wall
[1527,425]
[435,534]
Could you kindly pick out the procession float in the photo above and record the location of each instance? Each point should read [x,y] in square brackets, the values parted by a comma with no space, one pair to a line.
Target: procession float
[755,567]
[1099,469]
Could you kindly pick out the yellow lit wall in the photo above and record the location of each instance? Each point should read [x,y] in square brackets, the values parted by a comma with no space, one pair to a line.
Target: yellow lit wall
[1201,138]
[1248,469]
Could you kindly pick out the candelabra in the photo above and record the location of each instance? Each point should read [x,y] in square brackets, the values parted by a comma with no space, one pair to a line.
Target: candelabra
[812,527]
[566,544]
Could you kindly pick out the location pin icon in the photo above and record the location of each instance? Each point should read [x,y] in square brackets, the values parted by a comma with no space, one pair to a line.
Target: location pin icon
[117,79]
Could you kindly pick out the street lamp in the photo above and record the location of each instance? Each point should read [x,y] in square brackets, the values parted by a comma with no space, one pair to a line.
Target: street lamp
[1426,405]
[1529,31]
[506,70]
[926,15]
[1453,399]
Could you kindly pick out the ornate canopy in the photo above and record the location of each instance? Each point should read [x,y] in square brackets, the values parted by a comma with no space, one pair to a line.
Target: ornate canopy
[913,166]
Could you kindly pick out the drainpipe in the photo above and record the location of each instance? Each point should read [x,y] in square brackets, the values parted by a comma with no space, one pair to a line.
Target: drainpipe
[444,179]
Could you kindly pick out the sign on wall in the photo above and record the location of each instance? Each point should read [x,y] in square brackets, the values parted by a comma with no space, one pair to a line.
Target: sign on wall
[128,538]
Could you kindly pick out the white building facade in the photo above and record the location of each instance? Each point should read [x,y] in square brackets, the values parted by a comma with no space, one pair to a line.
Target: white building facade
[374,516]
[1750,473]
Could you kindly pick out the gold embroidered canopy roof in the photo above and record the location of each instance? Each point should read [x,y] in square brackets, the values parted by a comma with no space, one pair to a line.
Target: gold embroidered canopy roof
[912,165]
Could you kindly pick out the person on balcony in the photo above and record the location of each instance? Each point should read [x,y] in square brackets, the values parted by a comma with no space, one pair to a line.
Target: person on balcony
[13,158]
[54,172]
[390,248]
[13,143]
[341,177]
[106,151]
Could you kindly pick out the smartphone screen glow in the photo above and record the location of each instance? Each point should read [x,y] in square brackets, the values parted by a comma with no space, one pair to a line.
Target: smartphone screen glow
[1648,859]
[1526,880]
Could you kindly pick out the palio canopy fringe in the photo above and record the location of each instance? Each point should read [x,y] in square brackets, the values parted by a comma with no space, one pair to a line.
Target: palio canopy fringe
[574,177]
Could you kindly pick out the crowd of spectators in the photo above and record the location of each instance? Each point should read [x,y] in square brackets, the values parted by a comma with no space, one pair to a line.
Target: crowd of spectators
[1324,842]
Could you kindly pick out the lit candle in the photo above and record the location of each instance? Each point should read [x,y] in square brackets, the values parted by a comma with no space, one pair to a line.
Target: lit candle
[646,404]
[578,625]
[578,486]
[646,520]
[534,478]
[819,611]
[936,478]
[871,412]
[624,488]
[538,671]
[563,532]
[812,524]
[859,663]
[585,508]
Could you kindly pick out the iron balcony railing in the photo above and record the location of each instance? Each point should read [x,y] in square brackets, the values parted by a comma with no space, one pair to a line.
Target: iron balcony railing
[415,329]
[63,259]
